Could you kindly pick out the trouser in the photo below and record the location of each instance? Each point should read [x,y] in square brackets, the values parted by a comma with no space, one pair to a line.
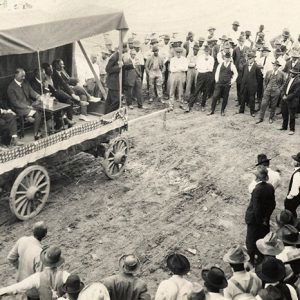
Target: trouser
[221,91]
[254,233]
[92,87]
[142,71]
[249,98]
[166,77]
[190,82]
[202,85]
[268,99]
[238,92]
[63,97]
[112,102]
[176,83]
[260,89]
[8,122]
[155,81]
[37,122]
[81,92]
[103,81]
[134,91]
[288,115]
[292,204]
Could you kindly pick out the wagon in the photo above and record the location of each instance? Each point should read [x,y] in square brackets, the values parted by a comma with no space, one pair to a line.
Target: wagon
[27,39]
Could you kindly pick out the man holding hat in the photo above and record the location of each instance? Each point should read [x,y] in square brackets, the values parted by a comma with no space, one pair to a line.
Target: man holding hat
[126,285]
[273,84]
[241,280]
[176,287]
[250,76]
[284,39]
[259,211]
[292,200]
[290,97]
[274,176]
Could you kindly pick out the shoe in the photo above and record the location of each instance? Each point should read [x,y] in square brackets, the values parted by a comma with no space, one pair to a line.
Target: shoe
[270,121]
[171,107]
[202,108]
[150,100]
[281,128]
[30,119]
[69,122]
[253,115]
[222,113]
[210,113]
[130,106]
[291,132]
[188,109]
[83,118]
[140,106]
[259,121]
[15,143]
[94,99]
[38,137]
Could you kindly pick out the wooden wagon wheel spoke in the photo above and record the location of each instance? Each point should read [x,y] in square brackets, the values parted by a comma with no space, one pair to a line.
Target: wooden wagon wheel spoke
[29,192]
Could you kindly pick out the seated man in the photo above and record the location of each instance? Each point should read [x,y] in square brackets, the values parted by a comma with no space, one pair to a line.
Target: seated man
[8,123]
[38,84]
[22,99]
[63,82]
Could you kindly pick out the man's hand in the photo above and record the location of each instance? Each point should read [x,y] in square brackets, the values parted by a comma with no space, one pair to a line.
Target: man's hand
[120,64]
[75,97]
[9,111]
[284,97]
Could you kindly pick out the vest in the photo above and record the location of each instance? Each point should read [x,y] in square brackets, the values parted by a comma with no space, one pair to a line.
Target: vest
[225,74]
[291,182]
[246,290]
[51,283]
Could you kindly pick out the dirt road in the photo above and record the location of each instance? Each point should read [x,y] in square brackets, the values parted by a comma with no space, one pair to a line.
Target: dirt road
[185,187]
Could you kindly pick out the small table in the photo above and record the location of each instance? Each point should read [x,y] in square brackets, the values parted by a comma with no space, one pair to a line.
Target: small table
[57,107]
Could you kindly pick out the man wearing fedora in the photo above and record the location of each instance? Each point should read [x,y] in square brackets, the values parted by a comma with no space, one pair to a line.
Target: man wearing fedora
[48,282]
[25,255]
[293,62]
[273,84]
[292,200]
[126,285]
[251,74]
[259,211]
[290,97]
[72,287]
[177,286]
[241,280]
[215,282]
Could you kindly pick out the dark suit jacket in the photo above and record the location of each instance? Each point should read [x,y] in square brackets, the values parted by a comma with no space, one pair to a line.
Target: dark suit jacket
[280,79]
[186,46]
[131,73]
[294,92]
[36,86]
[113,70]
[239,57]
[288,65]
[21,97]
[262,204]
[249,79]
[60,83]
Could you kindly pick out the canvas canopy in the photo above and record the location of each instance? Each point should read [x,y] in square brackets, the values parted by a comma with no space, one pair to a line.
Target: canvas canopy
[49,27]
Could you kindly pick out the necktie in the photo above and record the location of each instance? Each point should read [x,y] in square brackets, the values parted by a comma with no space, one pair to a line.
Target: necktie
[264,61]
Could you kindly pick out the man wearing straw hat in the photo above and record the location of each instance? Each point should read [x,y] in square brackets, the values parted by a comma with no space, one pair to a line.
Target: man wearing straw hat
[270,245]
[241,280]
[126,285]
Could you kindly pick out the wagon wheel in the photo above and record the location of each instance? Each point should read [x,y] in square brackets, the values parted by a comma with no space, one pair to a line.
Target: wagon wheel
[115,158]
[29,192]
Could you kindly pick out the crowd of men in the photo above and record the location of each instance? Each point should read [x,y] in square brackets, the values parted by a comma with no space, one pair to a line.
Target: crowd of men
[268,268]
[266,72]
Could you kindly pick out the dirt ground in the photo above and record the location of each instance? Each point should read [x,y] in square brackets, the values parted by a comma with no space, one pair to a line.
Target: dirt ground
[185,187]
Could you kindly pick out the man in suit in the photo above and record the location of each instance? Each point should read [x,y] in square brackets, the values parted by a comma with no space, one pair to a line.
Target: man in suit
[259,211]
[239,56]
[290,97]
[189,44]
[293,62]
[273,84]
[23,98]
[133,80]
[250,77]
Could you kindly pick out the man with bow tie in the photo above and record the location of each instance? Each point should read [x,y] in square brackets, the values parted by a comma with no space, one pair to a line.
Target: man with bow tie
[290,97]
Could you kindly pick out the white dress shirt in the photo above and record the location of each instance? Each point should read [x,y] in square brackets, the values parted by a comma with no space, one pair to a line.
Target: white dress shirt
[220,56]
[289,85]
[204,63]
[295,186]
[178,64]
[233,70]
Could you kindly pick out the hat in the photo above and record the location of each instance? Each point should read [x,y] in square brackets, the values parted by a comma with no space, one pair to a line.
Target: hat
[270,293]
[296,157]
[73,284]
[178,264]
[215,277]
[261,34]
[236,23]
[241,39]
[286,32]
[295,70]
[286,217]
[136,44]
[155,49]
[211,28]
[51,257]
[247,32]
[270,244]
[130,40]
[262,158]
[227,55]
[277,42]
[251,55]
[292,255]
[190,34]
[223,38]
[196,46]
[289,235]
[178,49]
[108,42]
[226,45]
[154,40]
[201,39]
[294,53]
[166,37]
[236,255]
[206,48]
[265,49]
[270,270]
[129,264]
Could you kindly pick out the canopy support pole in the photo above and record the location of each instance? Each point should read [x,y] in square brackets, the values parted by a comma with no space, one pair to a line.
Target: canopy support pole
[102,89]
[120,61]
[41,82]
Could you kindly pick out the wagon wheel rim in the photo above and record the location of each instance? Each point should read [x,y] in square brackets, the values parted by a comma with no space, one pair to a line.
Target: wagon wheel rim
[29,192]
[116,158]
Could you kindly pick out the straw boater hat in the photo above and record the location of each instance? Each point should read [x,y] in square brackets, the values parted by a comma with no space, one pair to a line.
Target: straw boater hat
[51,257]
[271,270]
[236,255]
[289,235]
[296,157]
[214,277]
[223,38]
[178,264]
[236,23]
[270,245]
[286,217]
[262,158]
[293,255]
[129,264]
[73,284]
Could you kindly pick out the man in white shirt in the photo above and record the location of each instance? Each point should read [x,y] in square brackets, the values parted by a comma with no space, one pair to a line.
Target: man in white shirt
[204,67]
[178,67]
[248,42]
[292,200]
[211,32]
[226,74]
[235,33]
[102,63]
[274,176]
